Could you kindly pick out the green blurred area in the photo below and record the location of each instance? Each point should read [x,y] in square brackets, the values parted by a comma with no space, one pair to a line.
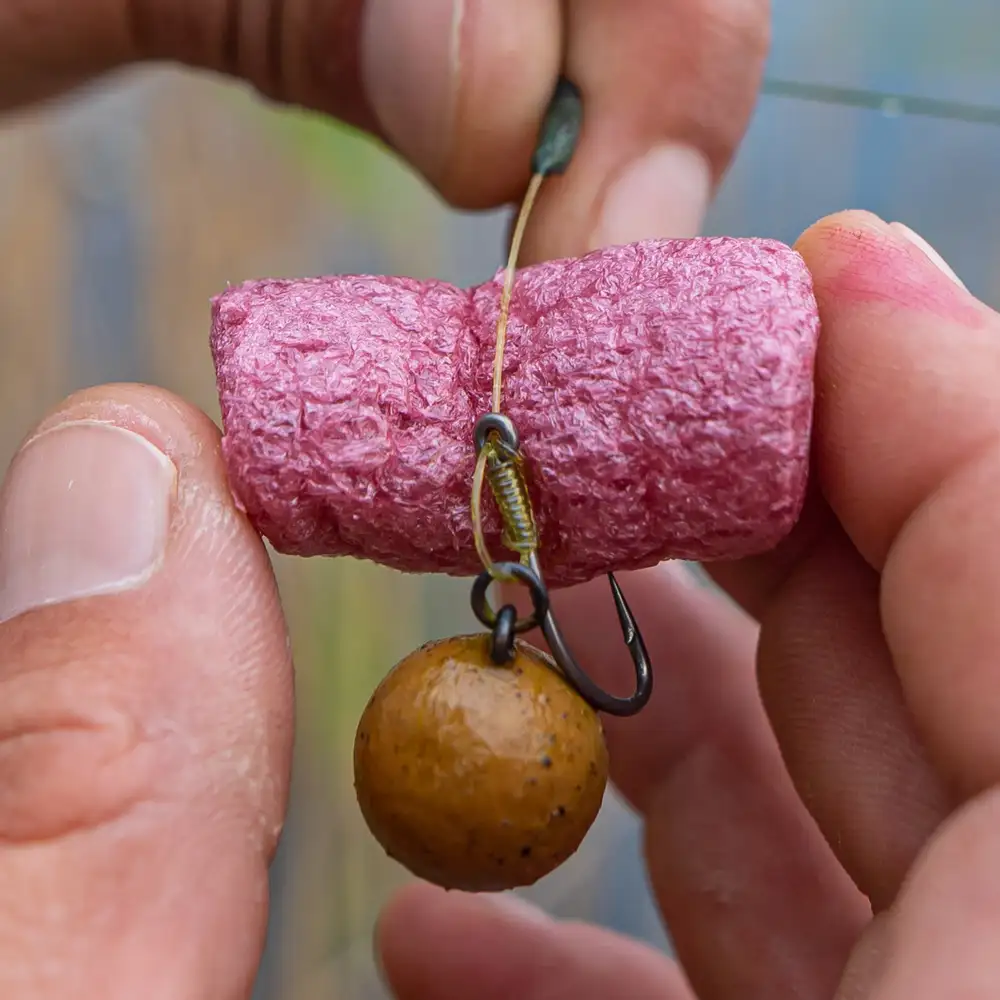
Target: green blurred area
[340,157]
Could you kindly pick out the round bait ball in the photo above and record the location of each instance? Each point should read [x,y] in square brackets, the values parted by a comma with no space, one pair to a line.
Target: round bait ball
[476,776]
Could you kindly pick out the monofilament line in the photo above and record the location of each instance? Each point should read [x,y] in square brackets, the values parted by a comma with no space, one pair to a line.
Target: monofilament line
[557,139]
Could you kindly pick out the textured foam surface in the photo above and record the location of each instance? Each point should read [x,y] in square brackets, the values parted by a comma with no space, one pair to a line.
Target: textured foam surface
[663,392]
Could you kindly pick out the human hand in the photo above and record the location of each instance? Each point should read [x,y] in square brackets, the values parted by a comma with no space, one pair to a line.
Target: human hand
[828,824]
[146,686]
[458,87]
[145,683]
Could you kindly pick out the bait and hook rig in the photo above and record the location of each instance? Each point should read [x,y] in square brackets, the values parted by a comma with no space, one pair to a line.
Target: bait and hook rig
[480,761]
[500,464]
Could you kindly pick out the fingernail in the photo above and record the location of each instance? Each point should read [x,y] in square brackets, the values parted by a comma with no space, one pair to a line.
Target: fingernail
[517,907]
[410,64]
[664,194]
[85,510]
[935,258]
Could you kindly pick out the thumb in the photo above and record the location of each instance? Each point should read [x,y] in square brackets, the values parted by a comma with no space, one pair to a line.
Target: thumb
[145,710]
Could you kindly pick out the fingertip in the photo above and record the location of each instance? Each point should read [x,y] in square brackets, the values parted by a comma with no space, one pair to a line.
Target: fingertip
[450,945]
[402,912]
[668,89]
[428,909]
[906,354]
[168,422]
[917,241]
[117,524]
[432,942]
[459,86]
[858,221]
[509,60]
[420,902]
[872,251]
[204,508]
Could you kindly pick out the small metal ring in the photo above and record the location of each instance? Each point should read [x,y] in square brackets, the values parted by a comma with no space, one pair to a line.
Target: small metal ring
[502,426]
[503,635]
[522,574]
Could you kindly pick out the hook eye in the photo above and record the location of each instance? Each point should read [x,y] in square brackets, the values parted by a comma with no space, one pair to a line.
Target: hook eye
[502,426]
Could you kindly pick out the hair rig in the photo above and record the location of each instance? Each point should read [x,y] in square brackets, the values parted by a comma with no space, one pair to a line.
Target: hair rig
[500,464]
[480,761]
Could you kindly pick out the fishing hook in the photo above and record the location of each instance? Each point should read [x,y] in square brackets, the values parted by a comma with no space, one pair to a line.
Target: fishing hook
[504,625]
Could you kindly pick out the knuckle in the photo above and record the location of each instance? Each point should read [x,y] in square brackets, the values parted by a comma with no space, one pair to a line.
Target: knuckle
[70,758]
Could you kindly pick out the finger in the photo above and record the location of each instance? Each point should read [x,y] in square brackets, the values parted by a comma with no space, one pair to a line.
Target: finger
[834,701]
[459,87]
[145,709]
[753,581]
[668,88]
[940,939]
[832,694]
[450,946]
[754,899]
[908,424]
[903,351]
[47,46]
[912,361]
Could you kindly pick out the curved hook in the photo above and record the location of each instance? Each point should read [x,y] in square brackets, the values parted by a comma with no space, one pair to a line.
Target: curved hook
[598,698]
[504,627]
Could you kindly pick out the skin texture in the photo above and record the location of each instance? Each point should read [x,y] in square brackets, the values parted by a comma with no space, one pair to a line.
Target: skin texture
[144,740]
[667,375]
[853,771]
[475,776]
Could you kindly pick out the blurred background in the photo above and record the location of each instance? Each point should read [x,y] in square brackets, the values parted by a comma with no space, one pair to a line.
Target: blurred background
[124,210]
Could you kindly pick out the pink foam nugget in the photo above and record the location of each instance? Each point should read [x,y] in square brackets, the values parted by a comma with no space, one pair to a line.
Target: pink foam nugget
[663,393]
